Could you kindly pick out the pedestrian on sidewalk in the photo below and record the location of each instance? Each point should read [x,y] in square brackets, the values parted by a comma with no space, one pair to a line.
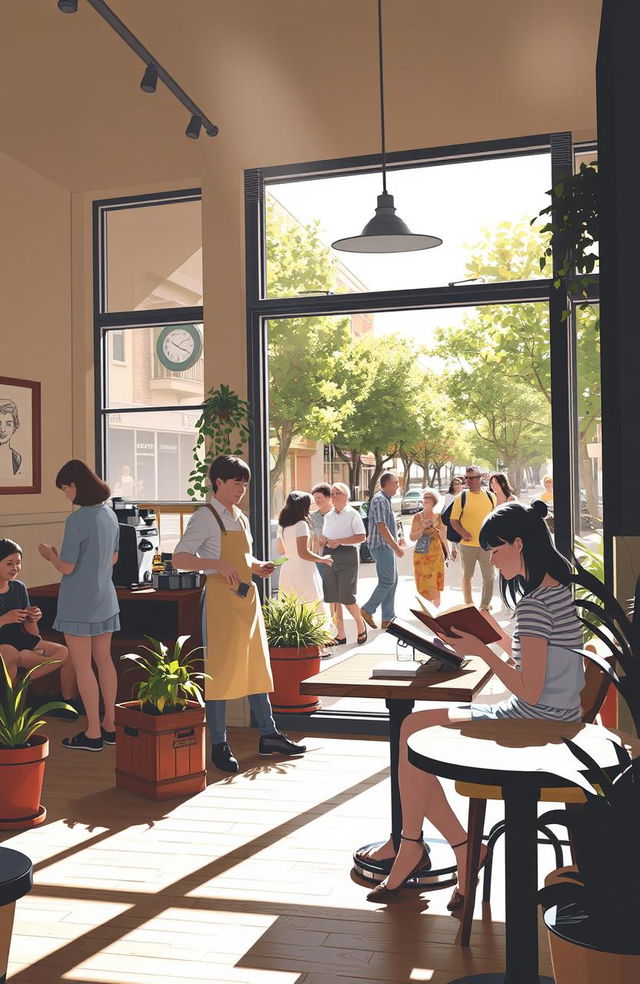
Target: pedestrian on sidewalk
[386,549]
[431,549]
[472,506]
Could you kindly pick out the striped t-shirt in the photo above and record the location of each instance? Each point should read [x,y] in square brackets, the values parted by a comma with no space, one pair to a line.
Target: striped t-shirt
[380,511]
[550,614]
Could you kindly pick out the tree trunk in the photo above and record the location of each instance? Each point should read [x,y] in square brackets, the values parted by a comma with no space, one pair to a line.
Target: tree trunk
[285,436]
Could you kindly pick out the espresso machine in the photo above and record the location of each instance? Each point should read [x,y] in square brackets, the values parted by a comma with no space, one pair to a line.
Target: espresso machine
[139,543]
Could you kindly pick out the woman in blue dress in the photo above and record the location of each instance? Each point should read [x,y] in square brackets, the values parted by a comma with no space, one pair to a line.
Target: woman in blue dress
[88,610]
[543,674]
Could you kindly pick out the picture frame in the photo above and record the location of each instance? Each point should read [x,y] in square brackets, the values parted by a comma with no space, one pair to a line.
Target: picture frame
[20,423]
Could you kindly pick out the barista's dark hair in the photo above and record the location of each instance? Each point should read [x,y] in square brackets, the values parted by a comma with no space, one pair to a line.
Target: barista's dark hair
[512,520]
[90,490]
[227,466]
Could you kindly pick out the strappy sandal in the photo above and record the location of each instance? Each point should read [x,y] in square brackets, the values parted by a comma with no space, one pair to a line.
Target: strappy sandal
[364,854]
[362,637]
[457,898]
[383,894]
[336,641]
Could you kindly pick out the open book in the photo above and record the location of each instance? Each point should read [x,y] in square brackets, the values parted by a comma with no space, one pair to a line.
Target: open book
[466,617]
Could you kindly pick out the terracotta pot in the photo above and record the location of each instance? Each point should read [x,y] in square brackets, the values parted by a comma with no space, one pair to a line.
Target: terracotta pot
[21,778]
[289,666]
[574,956]
[160,755]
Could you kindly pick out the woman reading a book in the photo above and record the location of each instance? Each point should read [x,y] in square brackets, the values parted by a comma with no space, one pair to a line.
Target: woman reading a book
[545,679]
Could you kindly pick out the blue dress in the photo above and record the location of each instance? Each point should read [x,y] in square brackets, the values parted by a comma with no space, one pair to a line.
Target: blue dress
[87,600]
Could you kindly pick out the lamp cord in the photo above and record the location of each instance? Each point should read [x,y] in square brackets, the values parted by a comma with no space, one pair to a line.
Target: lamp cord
[381,70]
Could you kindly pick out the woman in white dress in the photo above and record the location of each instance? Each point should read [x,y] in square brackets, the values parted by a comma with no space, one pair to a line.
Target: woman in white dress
[299,575]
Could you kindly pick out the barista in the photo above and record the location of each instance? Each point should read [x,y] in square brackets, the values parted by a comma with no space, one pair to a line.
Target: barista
[218,542]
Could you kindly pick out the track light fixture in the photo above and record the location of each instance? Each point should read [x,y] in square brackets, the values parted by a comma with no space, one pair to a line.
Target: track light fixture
[194,127]
[149,79]
[153,70]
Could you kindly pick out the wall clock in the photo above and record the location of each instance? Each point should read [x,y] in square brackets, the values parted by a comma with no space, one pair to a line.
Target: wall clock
[179,347]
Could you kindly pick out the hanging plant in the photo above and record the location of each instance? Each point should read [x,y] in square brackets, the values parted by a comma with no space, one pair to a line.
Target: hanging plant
[573,227]
[223,428]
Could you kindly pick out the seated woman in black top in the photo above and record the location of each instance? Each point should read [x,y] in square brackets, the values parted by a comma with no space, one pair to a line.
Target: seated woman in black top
[20,642]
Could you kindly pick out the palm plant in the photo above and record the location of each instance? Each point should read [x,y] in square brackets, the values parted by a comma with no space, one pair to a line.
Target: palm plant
[293,623]
[606,884]
[18,721]
[606,619]
[170,679]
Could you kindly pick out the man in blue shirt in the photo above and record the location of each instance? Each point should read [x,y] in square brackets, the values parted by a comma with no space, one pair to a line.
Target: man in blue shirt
[385,548]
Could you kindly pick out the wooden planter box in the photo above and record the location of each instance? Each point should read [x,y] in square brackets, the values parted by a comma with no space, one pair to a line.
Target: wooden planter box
[160,756]
[289,667]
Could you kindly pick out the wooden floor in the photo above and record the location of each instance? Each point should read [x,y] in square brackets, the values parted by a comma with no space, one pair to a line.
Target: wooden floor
[247,883]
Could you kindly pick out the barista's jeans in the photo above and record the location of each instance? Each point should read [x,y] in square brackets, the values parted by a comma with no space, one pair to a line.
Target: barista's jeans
[260,707]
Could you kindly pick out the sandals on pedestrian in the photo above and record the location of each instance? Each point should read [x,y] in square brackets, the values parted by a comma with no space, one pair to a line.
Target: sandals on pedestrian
[362,637]
[336,641]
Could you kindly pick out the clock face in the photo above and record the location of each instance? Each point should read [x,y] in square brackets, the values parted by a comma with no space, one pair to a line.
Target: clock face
[180,347]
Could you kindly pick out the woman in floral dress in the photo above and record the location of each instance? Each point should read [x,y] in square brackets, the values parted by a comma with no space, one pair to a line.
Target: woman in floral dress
[431,549]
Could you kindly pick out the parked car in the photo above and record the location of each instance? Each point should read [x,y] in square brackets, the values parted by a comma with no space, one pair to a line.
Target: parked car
[411,501]
[365,553]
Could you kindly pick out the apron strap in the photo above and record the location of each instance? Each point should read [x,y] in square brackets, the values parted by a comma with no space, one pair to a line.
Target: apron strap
[241,519]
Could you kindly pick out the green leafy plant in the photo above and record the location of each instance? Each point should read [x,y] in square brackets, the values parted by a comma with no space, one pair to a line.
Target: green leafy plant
[223,428]
[18,721]
[293,623]
[170,680]
[573,226]
[593,562]
[606,884]
[606,619]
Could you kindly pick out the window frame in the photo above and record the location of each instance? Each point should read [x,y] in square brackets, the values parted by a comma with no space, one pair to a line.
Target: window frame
[105,321]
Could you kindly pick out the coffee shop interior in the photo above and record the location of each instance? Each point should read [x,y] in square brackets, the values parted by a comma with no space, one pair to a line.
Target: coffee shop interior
[133,230]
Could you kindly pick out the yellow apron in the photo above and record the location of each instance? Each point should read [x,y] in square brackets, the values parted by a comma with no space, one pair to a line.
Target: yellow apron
[237,652]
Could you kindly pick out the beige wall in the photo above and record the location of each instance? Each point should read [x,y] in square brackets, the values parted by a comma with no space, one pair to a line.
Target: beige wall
[35,286]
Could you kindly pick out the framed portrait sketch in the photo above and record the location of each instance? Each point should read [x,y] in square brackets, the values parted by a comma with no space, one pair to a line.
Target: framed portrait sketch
[19,435]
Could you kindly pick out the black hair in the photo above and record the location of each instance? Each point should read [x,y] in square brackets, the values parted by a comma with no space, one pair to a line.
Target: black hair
[323,488]
[540,557]
[456,478]
[227,466]
[90,490]
[295,508]
[8,547]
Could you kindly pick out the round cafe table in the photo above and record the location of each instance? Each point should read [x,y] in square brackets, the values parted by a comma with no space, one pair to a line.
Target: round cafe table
[521,757]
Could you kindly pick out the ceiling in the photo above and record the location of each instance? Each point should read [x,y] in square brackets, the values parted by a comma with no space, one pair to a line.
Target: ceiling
[285,80]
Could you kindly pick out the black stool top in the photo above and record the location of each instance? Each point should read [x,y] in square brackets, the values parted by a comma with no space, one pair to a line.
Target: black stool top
[16,875]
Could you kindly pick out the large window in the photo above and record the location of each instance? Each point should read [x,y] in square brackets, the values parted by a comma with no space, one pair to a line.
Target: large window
[149,343]
[489,363]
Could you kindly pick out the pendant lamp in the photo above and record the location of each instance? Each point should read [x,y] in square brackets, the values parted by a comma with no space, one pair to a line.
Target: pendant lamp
[386,232]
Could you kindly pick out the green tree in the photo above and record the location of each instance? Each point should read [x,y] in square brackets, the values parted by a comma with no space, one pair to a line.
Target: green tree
[516,336]
[305,354]
[440,433]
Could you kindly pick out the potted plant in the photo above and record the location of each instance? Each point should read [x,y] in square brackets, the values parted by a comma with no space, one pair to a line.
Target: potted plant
[22,752]
[593,910]
[296,634]
[160,747]
[223,428]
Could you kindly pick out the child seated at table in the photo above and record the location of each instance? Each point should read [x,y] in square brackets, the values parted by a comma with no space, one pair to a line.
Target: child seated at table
[21,645]
[544,676]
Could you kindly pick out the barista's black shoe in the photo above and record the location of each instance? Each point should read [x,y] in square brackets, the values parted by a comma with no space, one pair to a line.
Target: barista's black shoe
[278,743]
[223,758]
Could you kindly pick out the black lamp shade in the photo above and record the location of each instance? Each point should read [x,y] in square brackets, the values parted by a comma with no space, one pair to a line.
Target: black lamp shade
[68,6]
[386,233]
[149,79]
[193,130]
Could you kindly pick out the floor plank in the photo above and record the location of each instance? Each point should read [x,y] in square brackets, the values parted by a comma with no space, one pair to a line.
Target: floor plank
[247,883]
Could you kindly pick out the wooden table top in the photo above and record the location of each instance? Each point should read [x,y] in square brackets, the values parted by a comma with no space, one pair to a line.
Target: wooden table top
[351,677]
[496,752]
[146,593]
